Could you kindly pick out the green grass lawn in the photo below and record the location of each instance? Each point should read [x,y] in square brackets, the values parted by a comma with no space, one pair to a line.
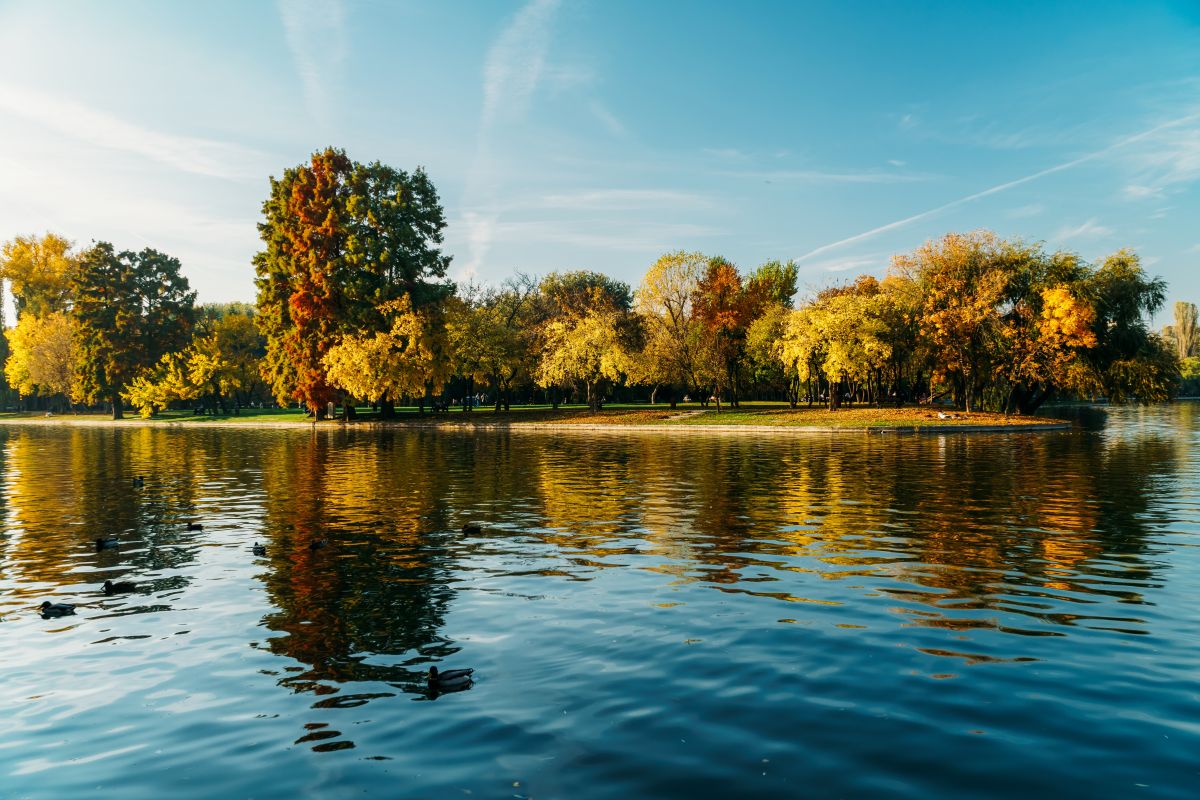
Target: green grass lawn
[616,415]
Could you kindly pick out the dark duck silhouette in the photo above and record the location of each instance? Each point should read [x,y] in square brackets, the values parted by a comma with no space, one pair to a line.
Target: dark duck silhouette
[56,609]
[195,526]
[472,528]
[317,544]
[139,482]
[120,587]
[450,680]
[259,549]
[105,542]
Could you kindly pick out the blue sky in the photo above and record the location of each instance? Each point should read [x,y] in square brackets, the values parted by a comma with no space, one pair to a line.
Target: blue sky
[598,134]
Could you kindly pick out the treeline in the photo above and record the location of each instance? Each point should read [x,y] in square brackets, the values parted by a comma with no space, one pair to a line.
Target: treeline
[354,304]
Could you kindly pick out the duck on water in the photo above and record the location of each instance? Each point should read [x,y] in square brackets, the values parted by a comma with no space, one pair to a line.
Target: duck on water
[450,680]
[50,610]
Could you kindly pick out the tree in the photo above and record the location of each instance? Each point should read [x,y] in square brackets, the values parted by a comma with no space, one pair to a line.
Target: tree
[342,240]
[589,349]
[406,360]
[42,355]
[1187,338]
[665,301]
[721,307]
[40,272]
[129,310]
[1128,362]
[962,280]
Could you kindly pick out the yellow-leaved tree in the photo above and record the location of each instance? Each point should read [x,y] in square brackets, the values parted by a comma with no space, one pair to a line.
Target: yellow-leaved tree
[42,353]
[408,360]
[591,349]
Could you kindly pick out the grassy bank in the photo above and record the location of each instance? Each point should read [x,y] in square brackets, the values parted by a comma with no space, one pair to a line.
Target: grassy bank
[689,415]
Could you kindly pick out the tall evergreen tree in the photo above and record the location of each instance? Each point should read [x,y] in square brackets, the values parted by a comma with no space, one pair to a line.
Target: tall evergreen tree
[130,309]
[342,240]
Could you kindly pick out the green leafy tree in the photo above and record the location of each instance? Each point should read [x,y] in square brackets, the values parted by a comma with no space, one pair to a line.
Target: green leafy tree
[129,310]
[342,240]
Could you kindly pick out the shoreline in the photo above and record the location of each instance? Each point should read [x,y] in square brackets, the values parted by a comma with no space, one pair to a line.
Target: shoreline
[534,427]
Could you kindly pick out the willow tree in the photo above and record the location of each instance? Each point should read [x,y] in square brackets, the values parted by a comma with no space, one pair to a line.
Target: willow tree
[129,310]
[342,240]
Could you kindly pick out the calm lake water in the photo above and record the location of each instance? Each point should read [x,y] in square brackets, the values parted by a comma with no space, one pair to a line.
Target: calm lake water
[647,615]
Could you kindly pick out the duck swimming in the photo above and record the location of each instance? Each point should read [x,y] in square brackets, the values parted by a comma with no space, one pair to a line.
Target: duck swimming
[139,482]
[317,544]
[259,549]
[105,542]
[56,609]
[472,528]
[120,587]
[451,680]
[195,526]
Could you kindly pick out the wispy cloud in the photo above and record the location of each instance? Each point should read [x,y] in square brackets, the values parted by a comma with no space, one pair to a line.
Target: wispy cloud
[621,199]
[1170,158]
[639,237]
[515,62]
[1027,211]
[514,65]
[316,36]
[1087,230]
[1136,191]
[1002,187]
[847,264]
[608,119]
[820,176]
[102,129]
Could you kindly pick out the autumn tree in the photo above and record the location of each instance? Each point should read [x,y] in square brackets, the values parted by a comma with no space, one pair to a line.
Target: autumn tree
[591,349]
[129,310]
[342,240]
[42,355]
[409,359]
[962,279]
[665,301]
[720,304]
[39,270]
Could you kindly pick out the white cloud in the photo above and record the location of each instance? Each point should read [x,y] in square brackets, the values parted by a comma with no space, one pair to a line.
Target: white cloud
[647,237]
[102,129]
[316,36]
[1027,211]
[621,199]
[1002,187]
[846,264]
[1138,192]
[608,119]
[1088,230]
[821,176]
[514,66]
[729,153]
[516,60]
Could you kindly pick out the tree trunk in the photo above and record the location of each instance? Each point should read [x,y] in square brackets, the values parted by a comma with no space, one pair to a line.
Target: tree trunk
[387,408]
[117,412]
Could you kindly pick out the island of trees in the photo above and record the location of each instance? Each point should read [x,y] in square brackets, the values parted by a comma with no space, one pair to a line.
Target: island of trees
[354,306]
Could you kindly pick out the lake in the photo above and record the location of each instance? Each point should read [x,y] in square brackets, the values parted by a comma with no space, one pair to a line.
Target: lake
[647,615]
